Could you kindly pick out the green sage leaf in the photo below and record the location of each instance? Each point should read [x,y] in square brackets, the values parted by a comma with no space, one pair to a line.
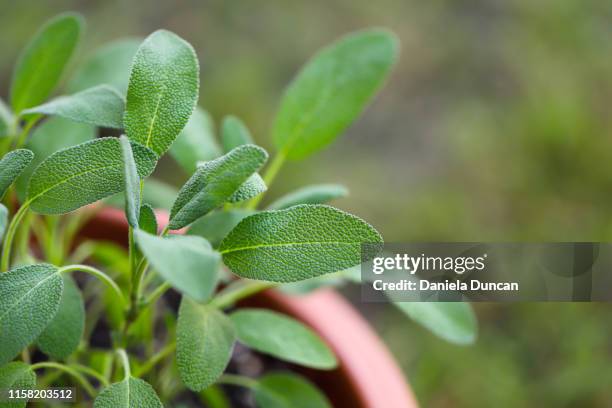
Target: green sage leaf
[43,60]
[16,376]
[83,174]
[98,106]
[62,335]
[188,263]
[298,243]
[109,64]
[162,92]
[332,90]
[451,321]
[234,133]
[147,220]
[214,183]
[216,225]
[286,390]
[3,220]
[196,143]
[6,119]
[52,135]
[249,189]
[315,194]
[29,299]
[282,337]
[11,166]
[132,183]
[129,393]
[204,343]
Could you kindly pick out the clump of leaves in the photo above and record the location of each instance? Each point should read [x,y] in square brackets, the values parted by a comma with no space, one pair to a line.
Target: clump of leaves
[53,167]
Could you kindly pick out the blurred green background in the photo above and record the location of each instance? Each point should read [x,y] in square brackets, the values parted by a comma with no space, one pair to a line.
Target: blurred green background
[495,125]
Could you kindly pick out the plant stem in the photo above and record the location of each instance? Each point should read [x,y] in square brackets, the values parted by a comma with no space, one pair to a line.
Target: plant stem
[239,380]
[90,372]
[25,131]
[68,370]
[125,361]
[269,176]
[10,235]
[155,359]
[156,294]
[229,298]
[98,274]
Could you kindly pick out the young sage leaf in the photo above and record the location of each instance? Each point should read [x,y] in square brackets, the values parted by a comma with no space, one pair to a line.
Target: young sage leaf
[286,390]
[29,299]
[253,186]
[315,194]
[332,90]
[298,243]
[162,92]
[188,263]
[205,339]
[214,183]
[451,321]
[6,119]
[62,335]
[52,135]
[196,143]
[147,221]
[43,60]
[132,183]
[129,393]
[3,220]
[101,105]
[110,64]
[216,225]
[282,337]
[11,166]
[16,376]
[83,174]
[234,133]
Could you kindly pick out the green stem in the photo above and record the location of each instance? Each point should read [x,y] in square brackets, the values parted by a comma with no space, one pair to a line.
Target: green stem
[98,274]
[269,176]
[91,372]
[156,294]
[25,131]
[10,235]
[230,297]
[155,359]
[125,361]
[68,370]
[239,380]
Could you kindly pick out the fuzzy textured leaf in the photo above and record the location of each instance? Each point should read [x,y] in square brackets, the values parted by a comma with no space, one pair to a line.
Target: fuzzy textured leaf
[205,339]
[6,119]
[162,92]
[332,90]
[16,376]
[101,105]
[29,299]
[147,221]
[286,390]
[214,183]
[188,263]
[234,133]
[216,225]
[129,393]
[315,194]
[249,189]
[196,143]
[83,174]
[132,183]
[42,62]
[3,220]
[451,321]
[62,335]
[110,64]
[52,135]
[282,337]
[298,243]
[11,166]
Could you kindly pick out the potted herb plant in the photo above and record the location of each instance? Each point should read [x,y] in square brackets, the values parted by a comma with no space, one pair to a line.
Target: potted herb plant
[169,300]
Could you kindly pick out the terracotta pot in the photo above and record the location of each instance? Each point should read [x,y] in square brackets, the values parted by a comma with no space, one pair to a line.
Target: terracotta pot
[367,375]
